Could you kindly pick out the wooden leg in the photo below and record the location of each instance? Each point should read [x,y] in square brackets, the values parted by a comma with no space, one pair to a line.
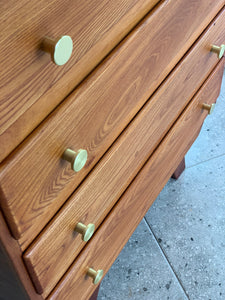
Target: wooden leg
[179,169]
[94,296]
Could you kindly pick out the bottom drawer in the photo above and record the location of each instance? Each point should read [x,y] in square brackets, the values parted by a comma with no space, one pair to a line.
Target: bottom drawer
[115,231]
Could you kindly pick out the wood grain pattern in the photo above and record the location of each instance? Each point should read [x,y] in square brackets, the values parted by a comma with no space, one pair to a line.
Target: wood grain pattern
[93,116]
[99,192]
[13,269]
[115,231]
[31,85]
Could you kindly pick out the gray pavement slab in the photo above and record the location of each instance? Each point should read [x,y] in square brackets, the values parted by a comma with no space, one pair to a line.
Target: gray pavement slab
[141,272]
[188,220]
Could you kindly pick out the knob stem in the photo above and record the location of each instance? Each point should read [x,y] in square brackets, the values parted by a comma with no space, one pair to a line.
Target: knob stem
[69,155]
[92,273]
[48,44]
[219,50]
[95,275]
[215,49]
[208,107]
[81,228]
[77,159]
[85,231]
[60,48]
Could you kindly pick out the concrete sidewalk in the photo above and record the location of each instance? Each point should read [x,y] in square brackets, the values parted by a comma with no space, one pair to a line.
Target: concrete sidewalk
[178,250]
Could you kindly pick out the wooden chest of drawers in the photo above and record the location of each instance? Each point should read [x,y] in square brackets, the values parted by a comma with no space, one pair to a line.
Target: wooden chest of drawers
[128,104]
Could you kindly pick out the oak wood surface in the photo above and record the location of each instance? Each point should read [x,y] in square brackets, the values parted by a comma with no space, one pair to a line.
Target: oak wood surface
[113,234]
[98,193]
[93,116]
[16,278]
[30,84]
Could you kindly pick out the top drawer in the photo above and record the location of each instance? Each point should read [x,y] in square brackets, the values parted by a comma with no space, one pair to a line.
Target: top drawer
[31,85]
[95,114]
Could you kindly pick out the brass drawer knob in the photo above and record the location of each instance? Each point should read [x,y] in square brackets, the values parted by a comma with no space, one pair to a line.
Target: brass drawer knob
[77,159]
[218,50]
[95,275]
[208,107]
[85,231]
[60,48]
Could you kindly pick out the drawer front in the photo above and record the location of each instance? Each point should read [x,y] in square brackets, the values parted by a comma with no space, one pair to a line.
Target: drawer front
[100,191]
[95,114]
[115,231]
[31,85]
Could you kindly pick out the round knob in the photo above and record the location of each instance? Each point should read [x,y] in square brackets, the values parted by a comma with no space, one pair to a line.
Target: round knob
[86,231]
[60,48]
[77,159]
[96,275]
[208,107]
[218,50]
